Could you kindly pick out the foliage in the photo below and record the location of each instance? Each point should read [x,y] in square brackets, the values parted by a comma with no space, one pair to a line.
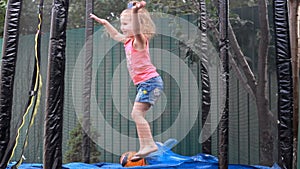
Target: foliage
[111,9]
[29,16]
[247,34]
[172,7]
[108,9]
[239,3]
[74,154]
[3,4]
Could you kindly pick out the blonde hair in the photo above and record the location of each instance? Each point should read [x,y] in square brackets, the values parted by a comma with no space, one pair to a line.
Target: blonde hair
[147,25]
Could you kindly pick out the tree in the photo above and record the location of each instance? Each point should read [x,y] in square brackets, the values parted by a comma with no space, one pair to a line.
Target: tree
[74,153]
[108,9]
[29,16]
[103,8]
[255,85]
[293,20]
[266,117]
[3,4]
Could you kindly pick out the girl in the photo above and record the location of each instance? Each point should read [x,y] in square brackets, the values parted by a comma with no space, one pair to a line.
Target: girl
[137,28]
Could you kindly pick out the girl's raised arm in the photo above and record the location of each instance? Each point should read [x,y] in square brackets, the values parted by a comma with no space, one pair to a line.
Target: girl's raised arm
[113,32]
[140,40]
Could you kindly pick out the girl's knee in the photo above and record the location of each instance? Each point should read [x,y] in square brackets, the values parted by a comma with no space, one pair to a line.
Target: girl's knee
[136,115]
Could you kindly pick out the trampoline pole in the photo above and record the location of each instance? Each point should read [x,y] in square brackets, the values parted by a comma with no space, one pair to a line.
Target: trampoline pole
[55,86]
[89,29]
[285,83]
[9,59]
[223,47]
[205,81]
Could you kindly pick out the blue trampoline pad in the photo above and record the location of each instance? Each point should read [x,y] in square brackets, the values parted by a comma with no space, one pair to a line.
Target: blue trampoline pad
[164,158]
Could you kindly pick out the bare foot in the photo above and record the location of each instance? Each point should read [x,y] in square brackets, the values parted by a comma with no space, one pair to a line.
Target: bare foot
[144,152]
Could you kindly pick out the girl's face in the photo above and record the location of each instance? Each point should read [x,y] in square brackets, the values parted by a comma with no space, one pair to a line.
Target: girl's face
[126,25]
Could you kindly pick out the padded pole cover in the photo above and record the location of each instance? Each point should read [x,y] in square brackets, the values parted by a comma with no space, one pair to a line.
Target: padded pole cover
[285,83]
[55,86]
[89,30]
[9,59]
[205,82]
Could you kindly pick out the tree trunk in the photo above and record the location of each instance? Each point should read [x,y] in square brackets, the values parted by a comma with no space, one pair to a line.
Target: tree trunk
[266,137]
[259,85]
[293,6]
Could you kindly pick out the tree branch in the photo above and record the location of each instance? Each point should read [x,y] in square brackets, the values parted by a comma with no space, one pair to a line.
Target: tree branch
[242,79]
[240,57]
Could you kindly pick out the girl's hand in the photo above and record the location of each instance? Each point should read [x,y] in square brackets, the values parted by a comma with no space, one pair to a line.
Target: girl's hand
[99,20]
[139,5]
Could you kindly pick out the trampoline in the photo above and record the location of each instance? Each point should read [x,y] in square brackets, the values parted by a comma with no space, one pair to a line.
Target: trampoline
[163,159]
[66,97]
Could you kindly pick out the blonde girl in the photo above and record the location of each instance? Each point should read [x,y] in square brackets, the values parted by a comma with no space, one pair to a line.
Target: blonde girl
[137,28]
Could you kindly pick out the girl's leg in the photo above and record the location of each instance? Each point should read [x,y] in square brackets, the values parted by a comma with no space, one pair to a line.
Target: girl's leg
[147,144]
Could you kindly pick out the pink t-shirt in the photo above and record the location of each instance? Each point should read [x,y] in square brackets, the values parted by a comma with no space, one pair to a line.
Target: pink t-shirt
[139,63]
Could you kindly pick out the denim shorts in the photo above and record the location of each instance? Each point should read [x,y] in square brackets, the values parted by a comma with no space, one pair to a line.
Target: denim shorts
[150,90]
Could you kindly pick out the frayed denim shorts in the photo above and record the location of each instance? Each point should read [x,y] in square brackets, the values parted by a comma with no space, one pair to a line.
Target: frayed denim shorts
[150,90]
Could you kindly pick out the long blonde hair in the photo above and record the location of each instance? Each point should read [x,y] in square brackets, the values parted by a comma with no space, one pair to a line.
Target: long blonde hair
[147,25]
